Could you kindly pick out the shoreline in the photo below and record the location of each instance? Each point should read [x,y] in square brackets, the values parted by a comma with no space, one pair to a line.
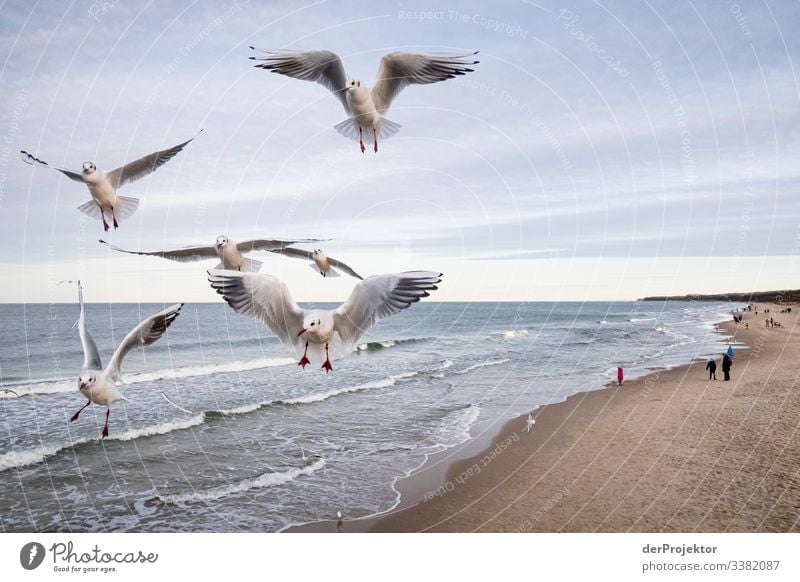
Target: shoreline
[464,488]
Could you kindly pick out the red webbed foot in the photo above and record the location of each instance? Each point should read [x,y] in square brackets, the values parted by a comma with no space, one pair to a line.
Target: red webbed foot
[304,361]
[327,366]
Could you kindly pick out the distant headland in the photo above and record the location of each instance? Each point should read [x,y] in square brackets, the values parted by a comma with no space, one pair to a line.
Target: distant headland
[788,295]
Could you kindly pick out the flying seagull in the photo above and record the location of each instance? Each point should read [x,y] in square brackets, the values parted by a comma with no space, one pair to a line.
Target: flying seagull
[103,186]
[365,109]
[229,253]
[98,384]
[267,299]
[320,262]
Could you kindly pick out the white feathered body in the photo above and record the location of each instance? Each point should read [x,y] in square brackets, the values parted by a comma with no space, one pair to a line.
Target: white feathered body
[363,109]
[101,190]
[230,256]
[103,390]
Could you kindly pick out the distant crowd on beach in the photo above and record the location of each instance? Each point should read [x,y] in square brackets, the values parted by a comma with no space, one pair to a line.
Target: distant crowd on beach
[768,321]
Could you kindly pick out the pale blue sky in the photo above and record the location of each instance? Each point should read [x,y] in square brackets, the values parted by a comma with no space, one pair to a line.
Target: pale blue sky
[600,150]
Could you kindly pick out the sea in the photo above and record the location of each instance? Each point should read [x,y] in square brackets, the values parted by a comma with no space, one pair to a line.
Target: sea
[221,431]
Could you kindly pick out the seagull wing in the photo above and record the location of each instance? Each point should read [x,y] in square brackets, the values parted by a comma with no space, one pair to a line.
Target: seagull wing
[295,253]
[29,159]
[342,267]
[132,171]
[91,357]
[398,70]
[378,297]
[324,67]
[263,297]
[182,255]
[144,334]
[261,244]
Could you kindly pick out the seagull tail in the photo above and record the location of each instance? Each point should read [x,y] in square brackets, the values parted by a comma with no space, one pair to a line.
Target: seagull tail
[387,129]
[125,207]
[349,128]
[90,209]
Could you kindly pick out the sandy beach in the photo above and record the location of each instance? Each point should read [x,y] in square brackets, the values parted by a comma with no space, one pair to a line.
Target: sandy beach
[670,452]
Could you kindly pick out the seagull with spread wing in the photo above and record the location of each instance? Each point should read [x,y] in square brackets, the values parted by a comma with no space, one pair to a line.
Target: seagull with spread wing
[267,299]
[230,253]
[103,186]
[320,261]
[365,108]
[98,384]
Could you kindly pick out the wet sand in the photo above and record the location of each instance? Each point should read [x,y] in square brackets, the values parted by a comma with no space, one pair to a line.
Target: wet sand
[670,452]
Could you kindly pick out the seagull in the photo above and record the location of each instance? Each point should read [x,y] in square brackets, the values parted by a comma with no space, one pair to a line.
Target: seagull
[98,384]
[530,422]
[339,519]
[322,263]
[230,253]
[365,109]
[10,390]
[103,186]
[267,299]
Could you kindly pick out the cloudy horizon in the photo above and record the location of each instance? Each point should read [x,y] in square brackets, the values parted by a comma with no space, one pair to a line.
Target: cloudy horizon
[598,151]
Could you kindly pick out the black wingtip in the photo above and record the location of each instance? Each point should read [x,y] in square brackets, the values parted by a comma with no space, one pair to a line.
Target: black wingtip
[252,48]
[102,241]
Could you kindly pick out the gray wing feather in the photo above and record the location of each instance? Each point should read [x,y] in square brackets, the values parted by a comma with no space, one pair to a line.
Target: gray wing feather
[398,70]
[91,357]
[261,244]
[323,67]
[144,334]
[343,267]
[182,255]
[263,297]
[132,171]
[378,297]
[33,161]
[294,253]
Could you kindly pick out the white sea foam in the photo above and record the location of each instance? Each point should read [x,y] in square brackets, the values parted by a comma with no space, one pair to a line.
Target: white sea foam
[320,396]
[483,364]
[510,333]
[16,459]
[455,426]
[59,386]
[263,480]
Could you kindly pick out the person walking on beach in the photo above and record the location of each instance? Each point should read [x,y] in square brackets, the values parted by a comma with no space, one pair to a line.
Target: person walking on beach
[711,366]
[726,367]
[620,375]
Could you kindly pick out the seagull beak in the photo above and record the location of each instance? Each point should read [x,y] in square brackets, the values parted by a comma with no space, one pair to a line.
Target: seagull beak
[302,331]
[82,385]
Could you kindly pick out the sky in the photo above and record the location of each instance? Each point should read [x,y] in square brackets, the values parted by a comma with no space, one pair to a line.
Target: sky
[599,150]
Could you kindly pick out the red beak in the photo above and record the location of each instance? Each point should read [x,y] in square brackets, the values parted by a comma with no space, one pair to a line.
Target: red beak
[302,331]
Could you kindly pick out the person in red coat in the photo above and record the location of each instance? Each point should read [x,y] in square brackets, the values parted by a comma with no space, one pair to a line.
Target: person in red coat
[620,375]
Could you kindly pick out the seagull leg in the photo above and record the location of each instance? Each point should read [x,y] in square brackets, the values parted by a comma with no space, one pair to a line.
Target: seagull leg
[105,428]
[304,361]
[103,215]
[361,139]
[327,365]
[375,133]
[77,414]
[114,218]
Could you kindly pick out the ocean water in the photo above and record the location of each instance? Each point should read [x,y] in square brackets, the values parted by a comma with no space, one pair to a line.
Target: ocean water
[261,444]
